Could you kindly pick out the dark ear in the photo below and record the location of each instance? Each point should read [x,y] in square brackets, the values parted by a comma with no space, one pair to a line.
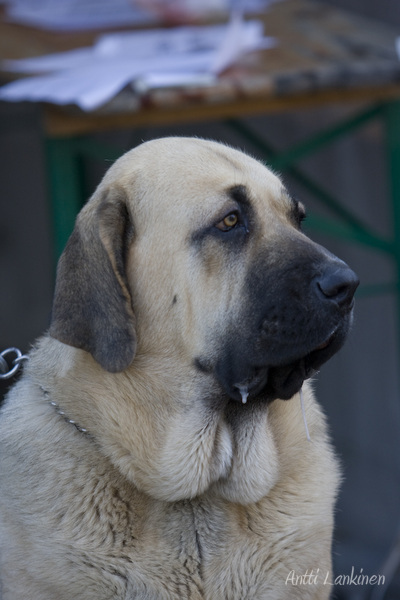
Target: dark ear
[92,307]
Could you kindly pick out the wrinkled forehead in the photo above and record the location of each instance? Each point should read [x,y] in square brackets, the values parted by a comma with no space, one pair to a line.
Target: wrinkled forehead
[229,171]
[188,174]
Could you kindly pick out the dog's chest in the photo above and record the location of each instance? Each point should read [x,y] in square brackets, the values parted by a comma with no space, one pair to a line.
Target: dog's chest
[169,555]
[195,551]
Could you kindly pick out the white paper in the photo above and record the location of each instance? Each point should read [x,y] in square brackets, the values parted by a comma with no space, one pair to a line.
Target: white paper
[72,59]
[239,38]
[61,15]
[187,44]
[170,80]
[89,77]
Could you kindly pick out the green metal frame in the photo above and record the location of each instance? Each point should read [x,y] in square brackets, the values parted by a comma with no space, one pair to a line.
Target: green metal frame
[65,160]
[67,189]
[391,115]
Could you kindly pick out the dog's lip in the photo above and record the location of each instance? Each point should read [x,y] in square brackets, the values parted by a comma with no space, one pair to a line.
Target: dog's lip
[252,385]
[327,341]
[304,367]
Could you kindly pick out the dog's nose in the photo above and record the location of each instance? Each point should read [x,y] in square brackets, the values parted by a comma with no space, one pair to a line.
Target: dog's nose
[338,284]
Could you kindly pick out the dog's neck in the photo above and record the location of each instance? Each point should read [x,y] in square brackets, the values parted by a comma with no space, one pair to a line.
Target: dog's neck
[159,465]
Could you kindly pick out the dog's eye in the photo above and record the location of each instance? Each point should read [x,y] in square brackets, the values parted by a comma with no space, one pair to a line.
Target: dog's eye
[300,213]
[229,222]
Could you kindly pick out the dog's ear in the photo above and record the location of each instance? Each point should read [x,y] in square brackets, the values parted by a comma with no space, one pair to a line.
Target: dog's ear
[92,307]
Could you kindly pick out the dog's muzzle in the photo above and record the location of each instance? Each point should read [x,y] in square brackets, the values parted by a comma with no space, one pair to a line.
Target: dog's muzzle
[306,313]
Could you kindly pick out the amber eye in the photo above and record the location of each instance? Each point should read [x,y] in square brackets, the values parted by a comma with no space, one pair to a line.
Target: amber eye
[229,222]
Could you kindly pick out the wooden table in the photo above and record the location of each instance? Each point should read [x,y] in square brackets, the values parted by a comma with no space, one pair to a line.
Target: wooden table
[323,56]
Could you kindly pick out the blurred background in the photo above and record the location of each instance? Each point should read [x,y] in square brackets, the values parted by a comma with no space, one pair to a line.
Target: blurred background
[358,388]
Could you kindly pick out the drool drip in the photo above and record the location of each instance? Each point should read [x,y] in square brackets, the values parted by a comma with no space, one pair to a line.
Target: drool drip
[244,392]
[303,412]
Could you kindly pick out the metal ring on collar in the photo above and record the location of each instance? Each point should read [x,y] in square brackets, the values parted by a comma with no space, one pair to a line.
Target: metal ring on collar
[6,372]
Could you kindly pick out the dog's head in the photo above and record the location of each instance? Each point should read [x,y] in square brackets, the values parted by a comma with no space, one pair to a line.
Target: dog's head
[193,248]
[189,273]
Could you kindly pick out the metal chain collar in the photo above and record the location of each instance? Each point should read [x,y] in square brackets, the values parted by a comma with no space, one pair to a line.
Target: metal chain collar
[9,367]
[7,371]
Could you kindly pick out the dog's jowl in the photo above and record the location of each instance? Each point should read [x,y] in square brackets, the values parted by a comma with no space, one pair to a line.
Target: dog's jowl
[154,448]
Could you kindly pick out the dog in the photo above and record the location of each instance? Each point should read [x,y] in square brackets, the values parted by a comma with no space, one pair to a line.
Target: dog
[154,448]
